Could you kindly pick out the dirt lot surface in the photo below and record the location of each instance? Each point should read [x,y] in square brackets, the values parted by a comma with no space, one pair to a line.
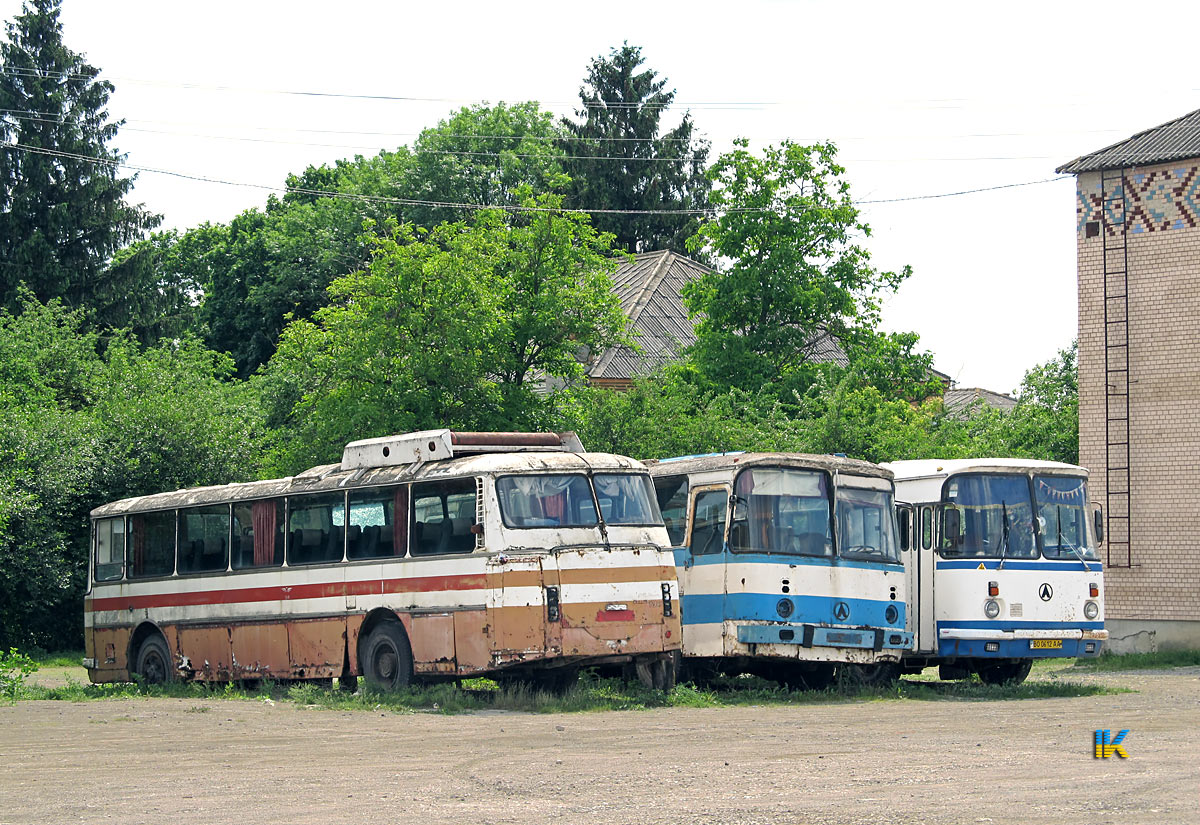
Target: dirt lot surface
[1026,761]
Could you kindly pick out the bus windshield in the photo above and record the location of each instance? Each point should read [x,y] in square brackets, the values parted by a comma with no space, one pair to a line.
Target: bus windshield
[546,501]
[866,526]
[781,510]
[1062,517]
[997,517]
[627,498]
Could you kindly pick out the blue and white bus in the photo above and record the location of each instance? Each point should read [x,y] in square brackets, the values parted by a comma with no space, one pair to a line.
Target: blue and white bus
[1001,563]
[788,565]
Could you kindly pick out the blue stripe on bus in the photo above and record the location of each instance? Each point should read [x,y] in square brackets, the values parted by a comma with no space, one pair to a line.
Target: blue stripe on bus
[683,556]
[1017,649]
[712,608]
[1065,565]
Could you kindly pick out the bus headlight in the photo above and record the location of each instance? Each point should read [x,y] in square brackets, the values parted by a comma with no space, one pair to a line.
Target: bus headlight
[1091,610]
[991,608]
[892,615]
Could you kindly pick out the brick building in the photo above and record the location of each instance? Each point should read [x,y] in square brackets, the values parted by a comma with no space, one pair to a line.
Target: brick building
[1138,240]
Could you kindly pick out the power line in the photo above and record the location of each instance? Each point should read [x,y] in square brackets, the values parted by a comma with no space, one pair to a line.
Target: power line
[321,193]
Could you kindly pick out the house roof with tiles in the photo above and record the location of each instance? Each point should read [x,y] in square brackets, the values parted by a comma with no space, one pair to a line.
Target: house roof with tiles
[1176,139]
[650,288]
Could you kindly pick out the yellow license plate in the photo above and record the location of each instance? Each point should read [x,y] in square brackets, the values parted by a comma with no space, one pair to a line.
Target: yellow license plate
[1046,644]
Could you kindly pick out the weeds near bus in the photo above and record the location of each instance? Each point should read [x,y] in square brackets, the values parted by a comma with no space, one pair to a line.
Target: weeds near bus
[14,667]
[1142,661]
[592,694]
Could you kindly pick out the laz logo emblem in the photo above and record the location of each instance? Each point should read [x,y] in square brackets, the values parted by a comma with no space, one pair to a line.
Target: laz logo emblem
[1046,592]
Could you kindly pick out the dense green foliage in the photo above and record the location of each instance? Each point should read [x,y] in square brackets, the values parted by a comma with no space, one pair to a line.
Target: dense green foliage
[84,421]
[796,275]
[445,328]
[620,159]
[62,215]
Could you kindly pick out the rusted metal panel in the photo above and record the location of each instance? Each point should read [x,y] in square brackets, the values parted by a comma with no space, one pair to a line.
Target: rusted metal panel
[316,647]
[208,651]
[260,649]
[432,641]
[471,646]
[110,648]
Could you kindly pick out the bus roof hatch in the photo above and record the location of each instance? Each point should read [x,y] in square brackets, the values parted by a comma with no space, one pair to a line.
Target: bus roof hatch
[439,445]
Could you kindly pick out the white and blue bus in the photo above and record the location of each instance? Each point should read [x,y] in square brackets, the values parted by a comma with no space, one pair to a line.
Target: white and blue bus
[1001,563]
[788,565]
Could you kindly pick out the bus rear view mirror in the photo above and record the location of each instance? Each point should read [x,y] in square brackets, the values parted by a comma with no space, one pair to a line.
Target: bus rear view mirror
[1098,523]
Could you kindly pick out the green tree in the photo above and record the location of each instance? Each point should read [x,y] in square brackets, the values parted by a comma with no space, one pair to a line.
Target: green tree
[445,327]
[84,421]
[485,156]
[619,159]
[785,222]
[62,214]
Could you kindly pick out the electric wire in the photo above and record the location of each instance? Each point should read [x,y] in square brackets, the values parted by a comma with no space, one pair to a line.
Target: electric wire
[352,196]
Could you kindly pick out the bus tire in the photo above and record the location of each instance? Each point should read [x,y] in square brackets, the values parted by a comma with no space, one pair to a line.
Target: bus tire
[387,660]
[877,675]
[153,666]
[1008,673]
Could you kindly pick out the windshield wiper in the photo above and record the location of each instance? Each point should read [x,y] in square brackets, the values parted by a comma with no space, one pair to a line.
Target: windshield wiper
[1074,549]
[1003,541]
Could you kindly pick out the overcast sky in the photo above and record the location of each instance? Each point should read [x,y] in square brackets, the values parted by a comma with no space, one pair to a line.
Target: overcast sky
[922,99]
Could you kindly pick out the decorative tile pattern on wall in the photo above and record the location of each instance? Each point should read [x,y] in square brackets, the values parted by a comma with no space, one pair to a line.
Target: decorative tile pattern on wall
[1158,201]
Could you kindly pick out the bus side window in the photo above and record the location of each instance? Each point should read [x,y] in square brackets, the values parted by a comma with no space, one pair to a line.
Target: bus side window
[110,549]
[316,533]
[258,534]
[926,528]
[443,514]
[153,544]
[708,522]
[204,539]
[672,494]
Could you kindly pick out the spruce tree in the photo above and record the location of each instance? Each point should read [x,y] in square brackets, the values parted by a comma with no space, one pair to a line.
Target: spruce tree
[62,213]
[652,172]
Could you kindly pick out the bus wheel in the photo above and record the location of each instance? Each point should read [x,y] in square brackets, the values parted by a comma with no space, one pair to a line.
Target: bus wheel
[880,674]
[386,660]
[816,677]
[154,662]
[1009,673]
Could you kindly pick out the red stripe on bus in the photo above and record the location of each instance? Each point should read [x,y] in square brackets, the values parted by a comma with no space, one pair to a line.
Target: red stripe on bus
[421,584]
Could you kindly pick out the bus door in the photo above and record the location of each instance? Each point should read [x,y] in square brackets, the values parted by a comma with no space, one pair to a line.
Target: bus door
[920,569]
[705,573]
[516,606]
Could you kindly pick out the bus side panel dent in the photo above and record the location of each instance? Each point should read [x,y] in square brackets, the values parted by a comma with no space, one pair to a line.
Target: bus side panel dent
[208,650]
[260,649]
[470,640]
[316,647]
[111,645]
[432,641]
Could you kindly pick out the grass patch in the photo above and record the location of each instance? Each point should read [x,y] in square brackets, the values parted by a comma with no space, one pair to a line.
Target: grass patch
[66,658]
[591,694]
[1162,660]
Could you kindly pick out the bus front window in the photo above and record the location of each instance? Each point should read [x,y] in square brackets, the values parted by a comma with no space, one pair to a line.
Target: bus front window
[546,501]
[866,528]
[1062,517]
[997,517]
[627,498]
[781,510]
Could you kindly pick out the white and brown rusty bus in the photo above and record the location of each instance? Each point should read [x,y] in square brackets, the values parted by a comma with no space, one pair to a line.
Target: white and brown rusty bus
[436,555]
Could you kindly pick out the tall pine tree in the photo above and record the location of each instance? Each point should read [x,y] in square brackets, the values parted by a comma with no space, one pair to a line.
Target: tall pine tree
[62,213]
[618,160]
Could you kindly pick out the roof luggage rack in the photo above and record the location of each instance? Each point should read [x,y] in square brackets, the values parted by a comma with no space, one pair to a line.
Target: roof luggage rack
[440,445]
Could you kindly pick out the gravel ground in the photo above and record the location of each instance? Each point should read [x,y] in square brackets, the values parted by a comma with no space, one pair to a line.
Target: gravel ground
[892,761]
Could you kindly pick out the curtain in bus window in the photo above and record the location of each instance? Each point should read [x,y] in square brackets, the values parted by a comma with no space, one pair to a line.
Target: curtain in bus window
[400,521]
[546,501]
[264,533]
